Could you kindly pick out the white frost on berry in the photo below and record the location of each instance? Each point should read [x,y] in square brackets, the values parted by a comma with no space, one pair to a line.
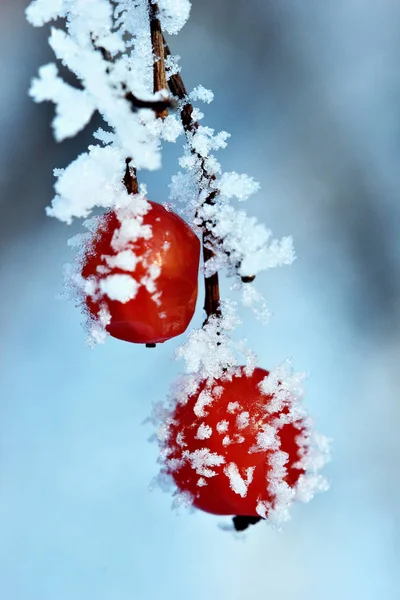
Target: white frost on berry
[204,399]
[97,333]
[283,387]
[267,439]
[119,287]
[222,426]
[126,260]
[243,420]
[233,407]
[204,432]
[202,460]
[237,483]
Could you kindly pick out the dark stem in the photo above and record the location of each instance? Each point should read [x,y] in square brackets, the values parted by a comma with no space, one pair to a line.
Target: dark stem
[157,42]
[241,523]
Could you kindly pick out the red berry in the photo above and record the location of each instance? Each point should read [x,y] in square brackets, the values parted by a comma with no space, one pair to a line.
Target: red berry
[159,308]
[224,446]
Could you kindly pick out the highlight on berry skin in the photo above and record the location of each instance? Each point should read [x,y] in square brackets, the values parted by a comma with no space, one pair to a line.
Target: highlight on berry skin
[242,445]
[141,273]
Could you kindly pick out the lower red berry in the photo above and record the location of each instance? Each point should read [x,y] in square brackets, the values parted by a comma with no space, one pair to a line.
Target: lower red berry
[235,449]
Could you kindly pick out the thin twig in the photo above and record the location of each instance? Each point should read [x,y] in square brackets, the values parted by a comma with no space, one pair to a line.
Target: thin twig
[190,125]
[157,42]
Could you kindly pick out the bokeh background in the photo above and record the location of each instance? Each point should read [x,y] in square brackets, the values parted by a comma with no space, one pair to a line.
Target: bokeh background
[310,90]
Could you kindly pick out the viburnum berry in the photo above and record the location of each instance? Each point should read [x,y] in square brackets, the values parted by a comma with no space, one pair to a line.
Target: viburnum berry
[237,448]
[143,274]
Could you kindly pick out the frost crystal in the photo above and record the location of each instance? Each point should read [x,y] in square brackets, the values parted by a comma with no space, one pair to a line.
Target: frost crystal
[238,484]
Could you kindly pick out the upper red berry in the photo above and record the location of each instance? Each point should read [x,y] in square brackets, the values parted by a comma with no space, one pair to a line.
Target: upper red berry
[160,269]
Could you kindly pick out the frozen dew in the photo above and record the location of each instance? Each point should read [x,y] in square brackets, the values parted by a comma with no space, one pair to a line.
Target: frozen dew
[173,14]
[308,485]
[222,426]
[74,107]
[172,65]
[204,399]
[266,439]
[239,484]
[126,260]
[242,420]
[233,185]
[204,432]
[200,93]
[119,287]
[202,460]
[182,500]
[40,12]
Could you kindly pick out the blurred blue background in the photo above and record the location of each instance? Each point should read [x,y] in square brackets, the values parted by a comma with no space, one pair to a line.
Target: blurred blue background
[310,92]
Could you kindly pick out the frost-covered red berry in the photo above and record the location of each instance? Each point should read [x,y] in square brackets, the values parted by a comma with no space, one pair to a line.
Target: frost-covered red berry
[241,445]
[141,274]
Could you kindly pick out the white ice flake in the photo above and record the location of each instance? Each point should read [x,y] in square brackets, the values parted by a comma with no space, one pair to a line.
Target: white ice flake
[202,94]
[126,260]
[202,461]
[233,185]
[237,483]
[93,179]
[204,432]
[204,399]
[242,420]
[173,14]
[74,108]
[222,426]
[119,287]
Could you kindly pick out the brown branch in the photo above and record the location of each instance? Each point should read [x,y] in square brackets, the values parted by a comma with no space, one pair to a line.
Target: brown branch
[157,42]
[190,125]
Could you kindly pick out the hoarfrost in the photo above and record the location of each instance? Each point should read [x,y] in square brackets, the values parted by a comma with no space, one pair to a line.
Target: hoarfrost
[237,483]
[119,287]
[243,420]
[203,432]
[173,14]
[202,94]
[74,107]
[222,426]
[233,185]
[202,461]
[233,407]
